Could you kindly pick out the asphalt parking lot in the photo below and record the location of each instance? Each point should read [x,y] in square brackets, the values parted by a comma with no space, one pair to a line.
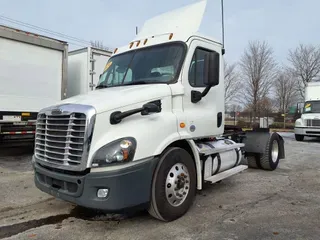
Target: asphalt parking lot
[283,204]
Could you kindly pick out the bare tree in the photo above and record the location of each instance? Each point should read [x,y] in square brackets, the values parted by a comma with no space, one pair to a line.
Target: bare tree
[99,44]
[305,65]
[285,91]
[258,70]
[231,84]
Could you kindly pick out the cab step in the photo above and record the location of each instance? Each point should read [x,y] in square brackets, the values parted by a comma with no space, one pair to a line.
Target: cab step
[225,174]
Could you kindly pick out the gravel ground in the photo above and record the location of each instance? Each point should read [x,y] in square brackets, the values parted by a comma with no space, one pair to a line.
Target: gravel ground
[283,204]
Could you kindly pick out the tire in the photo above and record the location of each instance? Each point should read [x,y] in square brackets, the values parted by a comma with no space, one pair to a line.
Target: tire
[164,185]
[299,138]
[270,159]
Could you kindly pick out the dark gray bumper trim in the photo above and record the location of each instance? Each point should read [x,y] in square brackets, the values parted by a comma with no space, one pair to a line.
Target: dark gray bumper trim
[128,187]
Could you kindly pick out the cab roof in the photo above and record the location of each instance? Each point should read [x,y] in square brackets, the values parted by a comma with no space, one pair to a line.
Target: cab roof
[175,25]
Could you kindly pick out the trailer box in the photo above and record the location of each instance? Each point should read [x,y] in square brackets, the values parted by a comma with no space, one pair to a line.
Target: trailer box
[84,68]
[33,75]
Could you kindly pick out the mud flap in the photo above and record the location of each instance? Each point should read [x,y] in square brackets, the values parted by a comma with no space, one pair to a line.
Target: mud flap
[256,143]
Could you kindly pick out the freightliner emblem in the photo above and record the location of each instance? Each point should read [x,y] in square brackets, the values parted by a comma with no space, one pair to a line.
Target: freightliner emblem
[56,111]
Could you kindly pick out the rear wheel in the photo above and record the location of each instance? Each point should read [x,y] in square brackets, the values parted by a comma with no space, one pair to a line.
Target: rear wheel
[174,185]
[270,159]
[299,137]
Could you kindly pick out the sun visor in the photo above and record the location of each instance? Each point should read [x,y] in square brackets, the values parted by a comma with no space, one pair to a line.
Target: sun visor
[185,20]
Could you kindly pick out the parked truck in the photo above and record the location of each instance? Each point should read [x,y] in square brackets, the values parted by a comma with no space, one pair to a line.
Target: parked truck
[33,75]
[309,122]
[35,72]
[85,66]
[153,132]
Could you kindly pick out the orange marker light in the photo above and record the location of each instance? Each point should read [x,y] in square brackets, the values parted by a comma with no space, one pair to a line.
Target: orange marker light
[182,125]
[170,36]
[145,41]
[125,154]
[138,43]
[131,44]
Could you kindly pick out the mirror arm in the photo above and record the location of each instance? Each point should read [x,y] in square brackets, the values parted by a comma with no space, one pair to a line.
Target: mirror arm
[205,91]
[151,107]
[117,116]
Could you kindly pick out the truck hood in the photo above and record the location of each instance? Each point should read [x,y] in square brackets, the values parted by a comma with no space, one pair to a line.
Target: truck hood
[116,97]
[310,116]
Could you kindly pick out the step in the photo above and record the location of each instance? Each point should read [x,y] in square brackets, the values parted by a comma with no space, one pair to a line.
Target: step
[227,173]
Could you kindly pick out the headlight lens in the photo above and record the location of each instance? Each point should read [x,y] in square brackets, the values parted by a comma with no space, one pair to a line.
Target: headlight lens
[116,152]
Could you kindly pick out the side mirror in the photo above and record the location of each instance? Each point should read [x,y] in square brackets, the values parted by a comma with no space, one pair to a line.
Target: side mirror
[211,69]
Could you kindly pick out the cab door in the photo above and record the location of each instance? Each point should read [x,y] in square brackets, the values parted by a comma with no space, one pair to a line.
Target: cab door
[203,118]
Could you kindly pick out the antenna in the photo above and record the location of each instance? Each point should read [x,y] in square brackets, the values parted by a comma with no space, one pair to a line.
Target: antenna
[136,30]
[222,28]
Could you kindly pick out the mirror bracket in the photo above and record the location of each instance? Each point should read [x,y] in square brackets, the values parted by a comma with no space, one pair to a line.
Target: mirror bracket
[150,107]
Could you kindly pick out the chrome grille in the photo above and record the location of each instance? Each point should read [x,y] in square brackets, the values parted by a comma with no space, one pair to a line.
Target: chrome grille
[313,122]
[60,139]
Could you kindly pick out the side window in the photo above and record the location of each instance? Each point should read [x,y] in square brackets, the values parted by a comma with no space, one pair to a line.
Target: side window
[196,70]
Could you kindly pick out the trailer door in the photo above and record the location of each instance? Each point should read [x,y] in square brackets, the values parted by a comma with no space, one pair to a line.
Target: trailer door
[98,61]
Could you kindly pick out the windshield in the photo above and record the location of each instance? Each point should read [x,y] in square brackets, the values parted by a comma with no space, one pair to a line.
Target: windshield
[312,107]
[157,64]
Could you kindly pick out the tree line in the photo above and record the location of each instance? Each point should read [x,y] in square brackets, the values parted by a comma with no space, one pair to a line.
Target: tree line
[258,83]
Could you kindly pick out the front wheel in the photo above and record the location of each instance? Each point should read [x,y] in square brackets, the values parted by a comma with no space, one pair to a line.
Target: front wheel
[298,137]
[173,186]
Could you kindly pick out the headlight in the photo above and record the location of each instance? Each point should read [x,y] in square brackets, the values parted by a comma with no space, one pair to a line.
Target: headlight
[298,122]
[116,152]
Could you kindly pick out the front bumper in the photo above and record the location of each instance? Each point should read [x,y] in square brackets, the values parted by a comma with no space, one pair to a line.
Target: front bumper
[307,131]
[127,187]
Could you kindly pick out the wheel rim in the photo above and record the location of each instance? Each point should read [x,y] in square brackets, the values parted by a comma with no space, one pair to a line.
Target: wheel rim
[274,151]
[177,184]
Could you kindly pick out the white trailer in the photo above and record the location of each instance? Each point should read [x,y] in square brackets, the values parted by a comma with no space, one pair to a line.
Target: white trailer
[33,75]
[84,69]
[309,122]
[153,130]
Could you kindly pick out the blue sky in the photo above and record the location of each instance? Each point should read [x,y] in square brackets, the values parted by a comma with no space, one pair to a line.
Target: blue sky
[282,23]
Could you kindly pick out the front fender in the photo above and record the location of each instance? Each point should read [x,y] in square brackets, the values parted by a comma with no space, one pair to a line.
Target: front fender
[153,132]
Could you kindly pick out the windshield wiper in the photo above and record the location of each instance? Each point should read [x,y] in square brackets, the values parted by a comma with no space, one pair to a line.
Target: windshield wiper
[143,82]
[131,83]
[101,86]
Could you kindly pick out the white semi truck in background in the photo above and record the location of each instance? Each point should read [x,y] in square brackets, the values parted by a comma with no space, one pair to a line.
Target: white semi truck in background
[153,132]
[33,75]
[309,122]
[38,71]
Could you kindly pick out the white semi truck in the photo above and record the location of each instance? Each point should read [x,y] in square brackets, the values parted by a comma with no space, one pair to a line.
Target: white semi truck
[309,122]
[33,75]
[153,132]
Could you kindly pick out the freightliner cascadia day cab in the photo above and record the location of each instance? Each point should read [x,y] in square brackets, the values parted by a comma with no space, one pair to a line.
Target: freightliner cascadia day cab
[33,75]
[309,123]
[153,132]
